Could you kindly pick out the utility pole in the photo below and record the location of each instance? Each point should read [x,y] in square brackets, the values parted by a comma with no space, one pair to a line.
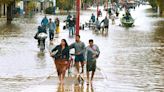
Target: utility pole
[54,3]
[77,16]
[98,1]
[107,7]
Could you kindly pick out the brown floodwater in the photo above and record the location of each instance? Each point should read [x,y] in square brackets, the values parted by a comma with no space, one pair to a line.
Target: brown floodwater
[131,60]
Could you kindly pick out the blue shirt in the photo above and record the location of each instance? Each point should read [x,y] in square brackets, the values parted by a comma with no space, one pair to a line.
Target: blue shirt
[52,26]
[44,22]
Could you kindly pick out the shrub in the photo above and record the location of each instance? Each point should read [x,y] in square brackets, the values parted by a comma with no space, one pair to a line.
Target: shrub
[49,10]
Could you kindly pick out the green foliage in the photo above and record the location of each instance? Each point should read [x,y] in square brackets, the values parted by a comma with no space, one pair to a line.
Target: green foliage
[31,5]
[65,4]
[156,3]
[93,1]
[153,3]
[88,1]
[8,1]
[161,7]
[49,10]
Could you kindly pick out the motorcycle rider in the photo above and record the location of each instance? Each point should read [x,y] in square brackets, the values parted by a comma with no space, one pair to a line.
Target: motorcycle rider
[41,29]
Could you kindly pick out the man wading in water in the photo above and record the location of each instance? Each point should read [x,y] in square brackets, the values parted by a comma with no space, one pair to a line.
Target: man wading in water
[79,53]
[91,54]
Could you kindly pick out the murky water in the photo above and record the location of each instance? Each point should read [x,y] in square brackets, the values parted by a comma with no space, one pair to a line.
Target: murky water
[132,60]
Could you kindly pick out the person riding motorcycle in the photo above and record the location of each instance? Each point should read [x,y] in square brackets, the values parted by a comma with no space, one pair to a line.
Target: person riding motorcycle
[41,29]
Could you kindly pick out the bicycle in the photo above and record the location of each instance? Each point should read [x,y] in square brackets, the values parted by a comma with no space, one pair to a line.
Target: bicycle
[71,65]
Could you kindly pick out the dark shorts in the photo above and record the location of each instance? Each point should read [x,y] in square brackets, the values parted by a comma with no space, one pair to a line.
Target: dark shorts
[79,58]
[91,66]
[106,27]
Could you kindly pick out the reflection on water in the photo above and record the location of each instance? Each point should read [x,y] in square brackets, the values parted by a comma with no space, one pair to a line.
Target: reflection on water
[21,64]
[41,60]
[79,87]
[11,30]
[61,88]
[159,33]
[90,88]
[131,60]
[75,88]
[101,33]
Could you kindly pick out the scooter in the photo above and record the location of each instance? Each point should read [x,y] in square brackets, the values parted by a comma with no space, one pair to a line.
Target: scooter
[41,39]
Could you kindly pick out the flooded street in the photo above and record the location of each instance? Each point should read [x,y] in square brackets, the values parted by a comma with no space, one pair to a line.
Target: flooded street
[131,60]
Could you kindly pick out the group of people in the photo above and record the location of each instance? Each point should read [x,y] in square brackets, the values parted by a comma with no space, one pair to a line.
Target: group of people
[52,26]
[82,54]
[95,21]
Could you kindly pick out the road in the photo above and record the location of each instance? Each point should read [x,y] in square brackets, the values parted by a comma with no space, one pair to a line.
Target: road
[131,59]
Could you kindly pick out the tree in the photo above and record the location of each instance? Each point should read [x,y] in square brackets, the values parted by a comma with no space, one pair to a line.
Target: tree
[87,3]
[65,4]
[153,3]
[160,5]
[10,8]
[157,3]
[31,5]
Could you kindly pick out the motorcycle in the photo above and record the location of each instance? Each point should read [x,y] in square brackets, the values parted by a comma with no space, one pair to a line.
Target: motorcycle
[41,39]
